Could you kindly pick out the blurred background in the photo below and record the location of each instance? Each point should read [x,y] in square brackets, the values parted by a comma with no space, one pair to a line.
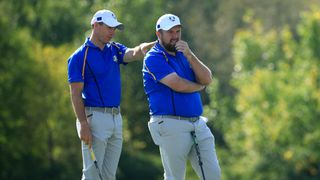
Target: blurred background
[263,106]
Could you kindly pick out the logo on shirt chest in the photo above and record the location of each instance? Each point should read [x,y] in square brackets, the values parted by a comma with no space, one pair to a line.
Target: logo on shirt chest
[115,59]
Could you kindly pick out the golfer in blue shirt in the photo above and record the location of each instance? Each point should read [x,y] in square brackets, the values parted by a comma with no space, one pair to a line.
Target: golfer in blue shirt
[95,87]
[173,77]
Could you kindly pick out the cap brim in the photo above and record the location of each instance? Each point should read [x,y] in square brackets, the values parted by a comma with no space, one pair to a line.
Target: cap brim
[120,27]
[115,24]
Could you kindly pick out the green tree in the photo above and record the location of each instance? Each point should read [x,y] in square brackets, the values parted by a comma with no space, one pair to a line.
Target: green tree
[278,102]
[33,140]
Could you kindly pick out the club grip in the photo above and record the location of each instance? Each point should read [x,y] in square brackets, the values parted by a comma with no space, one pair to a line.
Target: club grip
[93,157]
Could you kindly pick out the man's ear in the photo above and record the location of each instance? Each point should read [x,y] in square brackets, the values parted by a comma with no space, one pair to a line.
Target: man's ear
[158,33]
[96,24]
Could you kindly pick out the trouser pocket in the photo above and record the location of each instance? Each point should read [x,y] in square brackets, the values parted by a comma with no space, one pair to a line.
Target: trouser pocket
[154,128]
[89,116]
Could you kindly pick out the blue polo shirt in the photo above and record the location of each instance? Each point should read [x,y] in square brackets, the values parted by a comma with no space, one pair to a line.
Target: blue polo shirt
[102,84]
[162,99]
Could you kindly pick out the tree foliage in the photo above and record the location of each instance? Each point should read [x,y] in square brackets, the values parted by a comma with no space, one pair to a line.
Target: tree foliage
[278,103]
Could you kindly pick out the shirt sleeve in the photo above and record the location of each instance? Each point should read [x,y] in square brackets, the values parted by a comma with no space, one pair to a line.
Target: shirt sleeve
[75,63]
[120,50]
[157,66]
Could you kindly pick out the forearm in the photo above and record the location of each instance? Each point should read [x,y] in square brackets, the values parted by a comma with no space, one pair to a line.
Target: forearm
[186,86]
[138,52]
[133,54]
[179,84]
[79,110]
[78,107]
[202,72]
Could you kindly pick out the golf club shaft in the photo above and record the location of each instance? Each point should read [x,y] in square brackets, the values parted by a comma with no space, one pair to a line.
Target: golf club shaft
[194,137]
[93,157]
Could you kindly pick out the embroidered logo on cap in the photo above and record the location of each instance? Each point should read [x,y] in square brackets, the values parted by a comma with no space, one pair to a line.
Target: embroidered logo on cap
[99,18]
[172,18]
[114,17]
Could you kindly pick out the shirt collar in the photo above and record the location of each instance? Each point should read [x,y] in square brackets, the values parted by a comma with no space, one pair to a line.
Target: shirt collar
[90,43]
[160,48]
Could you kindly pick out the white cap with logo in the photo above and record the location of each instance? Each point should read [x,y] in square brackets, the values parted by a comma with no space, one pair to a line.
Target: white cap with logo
[108,18]
[167,21]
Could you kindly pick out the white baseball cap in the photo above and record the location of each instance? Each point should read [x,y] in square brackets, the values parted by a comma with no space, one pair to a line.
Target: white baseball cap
[167,21]
[108,18]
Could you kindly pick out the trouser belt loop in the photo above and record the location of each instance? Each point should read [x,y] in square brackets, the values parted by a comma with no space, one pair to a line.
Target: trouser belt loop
[115,110]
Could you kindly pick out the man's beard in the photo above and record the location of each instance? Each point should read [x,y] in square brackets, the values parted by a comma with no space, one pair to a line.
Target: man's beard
[169,46]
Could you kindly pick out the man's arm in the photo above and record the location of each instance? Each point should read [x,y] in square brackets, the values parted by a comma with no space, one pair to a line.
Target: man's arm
[179,84]
[79,110]
[137,52]
[201,71]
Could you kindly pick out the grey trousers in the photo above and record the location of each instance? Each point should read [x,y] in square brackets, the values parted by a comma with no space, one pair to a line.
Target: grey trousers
[106,132]
[177,146]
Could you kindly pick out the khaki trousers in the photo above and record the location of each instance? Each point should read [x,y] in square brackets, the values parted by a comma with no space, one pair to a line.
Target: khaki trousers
[177,146]
[106,129]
